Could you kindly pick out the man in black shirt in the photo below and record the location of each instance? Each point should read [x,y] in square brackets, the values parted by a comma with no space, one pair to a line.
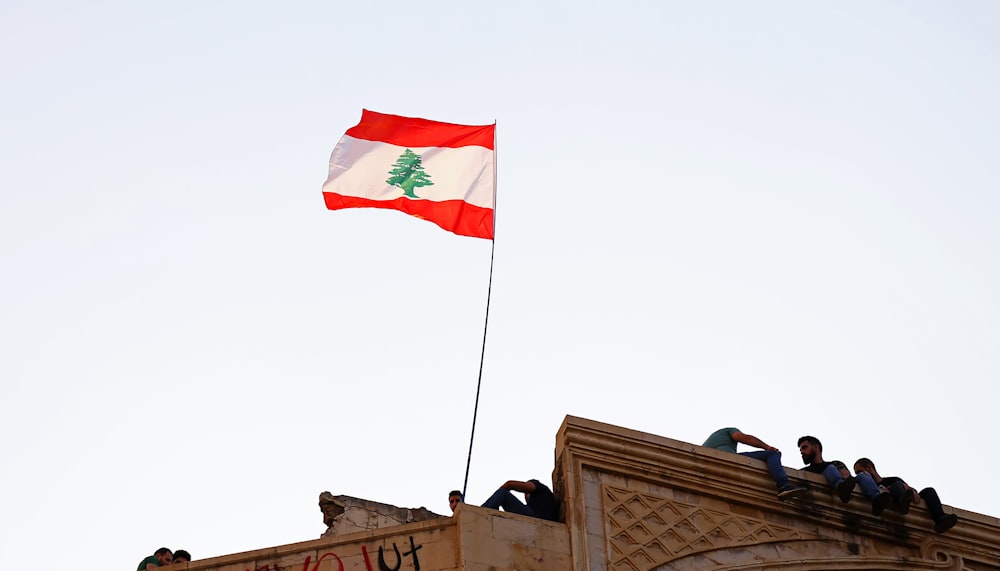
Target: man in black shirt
[902,495]
[839,477]
[541,503]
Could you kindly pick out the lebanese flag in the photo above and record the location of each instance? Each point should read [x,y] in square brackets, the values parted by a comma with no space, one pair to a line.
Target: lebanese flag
[441,172]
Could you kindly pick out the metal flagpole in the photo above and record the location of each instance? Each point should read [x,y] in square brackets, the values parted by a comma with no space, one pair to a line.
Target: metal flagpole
[489,290]
[479,383]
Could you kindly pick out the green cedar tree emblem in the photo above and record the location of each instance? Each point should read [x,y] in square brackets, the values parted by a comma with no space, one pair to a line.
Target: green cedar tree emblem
[408,172]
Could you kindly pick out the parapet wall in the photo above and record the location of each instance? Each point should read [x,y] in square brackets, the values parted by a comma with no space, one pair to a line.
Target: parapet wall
[475,539]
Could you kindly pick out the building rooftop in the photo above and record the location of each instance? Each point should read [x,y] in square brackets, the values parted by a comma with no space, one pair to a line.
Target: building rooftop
[635,501]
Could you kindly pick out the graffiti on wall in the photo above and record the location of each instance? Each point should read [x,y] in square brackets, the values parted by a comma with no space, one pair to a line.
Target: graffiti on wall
[395,563]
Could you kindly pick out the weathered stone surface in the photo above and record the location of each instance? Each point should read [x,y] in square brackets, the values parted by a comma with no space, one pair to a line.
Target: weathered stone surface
[346,514]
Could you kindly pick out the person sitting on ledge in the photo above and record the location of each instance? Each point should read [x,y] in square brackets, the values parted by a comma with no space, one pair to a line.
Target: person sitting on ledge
[725,439]
[839,477]
[541,503]
[903,495]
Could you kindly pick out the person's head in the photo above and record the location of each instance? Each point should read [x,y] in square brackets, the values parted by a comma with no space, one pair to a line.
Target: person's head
[865,465]
[164,555]
[811,449]
[182,556]
[454,498]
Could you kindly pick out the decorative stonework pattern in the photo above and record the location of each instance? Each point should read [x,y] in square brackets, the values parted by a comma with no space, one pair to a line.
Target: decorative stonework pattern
[945,558]
[815,555]
[645,531]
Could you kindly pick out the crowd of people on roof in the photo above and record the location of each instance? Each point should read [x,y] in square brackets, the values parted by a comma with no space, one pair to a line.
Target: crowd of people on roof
[884,492]
[890,492]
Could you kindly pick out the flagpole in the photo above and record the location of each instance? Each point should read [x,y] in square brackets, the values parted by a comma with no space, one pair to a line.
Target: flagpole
[486,322]
[479,382]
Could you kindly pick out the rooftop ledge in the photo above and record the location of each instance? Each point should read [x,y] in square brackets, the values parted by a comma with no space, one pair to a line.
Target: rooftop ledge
[636,501]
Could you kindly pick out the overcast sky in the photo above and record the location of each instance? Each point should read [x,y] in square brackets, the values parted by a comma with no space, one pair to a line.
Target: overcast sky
[778,216]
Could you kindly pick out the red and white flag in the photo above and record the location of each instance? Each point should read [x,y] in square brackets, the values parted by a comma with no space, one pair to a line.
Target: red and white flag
[441,172]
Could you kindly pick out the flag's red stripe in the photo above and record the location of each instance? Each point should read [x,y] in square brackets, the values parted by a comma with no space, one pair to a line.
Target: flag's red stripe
[455,216]
[413,132]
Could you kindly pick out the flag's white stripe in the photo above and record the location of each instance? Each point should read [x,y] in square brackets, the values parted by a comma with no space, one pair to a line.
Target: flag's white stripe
[360,168]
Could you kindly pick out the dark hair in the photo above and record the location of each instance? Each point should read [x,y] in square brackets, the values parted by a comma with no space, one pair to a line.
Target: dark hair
[456,493]
[161,551]
[182,553]
[865,462]
[811,440]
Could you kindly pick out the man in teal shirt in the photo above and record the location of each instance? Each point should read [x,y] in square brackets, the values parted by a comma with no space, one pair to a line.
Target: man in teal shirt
[725,439]
[163,556]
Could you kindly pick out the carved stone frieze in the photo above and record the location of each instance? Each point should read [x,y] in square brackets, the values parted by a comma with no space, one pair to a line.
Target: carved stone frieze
[645,530]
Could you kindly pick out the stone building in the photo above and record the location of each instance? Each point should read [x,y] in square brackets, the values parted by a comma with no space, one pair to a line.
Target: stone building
[634,501]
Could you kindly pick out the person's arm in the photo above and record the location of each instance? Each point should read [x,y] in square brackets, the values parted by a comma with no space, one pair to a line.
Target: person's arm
[751,440]
[844,472]
[519,486]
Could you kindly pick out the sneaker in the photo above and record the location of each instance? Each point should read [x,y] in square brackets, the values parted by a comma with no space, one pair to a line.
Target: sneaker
[945,523]
[790,492]
[880,502]
[903,505]
[845,488]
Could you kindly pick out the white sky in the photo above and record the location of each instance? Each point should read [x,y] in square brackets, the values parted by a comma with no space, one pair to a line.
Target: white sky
[776,216]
